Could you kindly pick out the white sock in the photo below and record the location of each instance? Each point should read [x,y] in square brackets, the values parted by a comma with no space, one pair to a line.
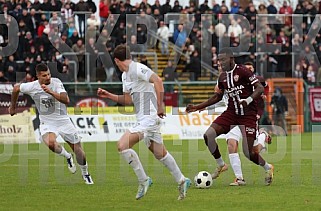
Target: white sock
[64,153]
[220,161]
[132,159]
[236,165]
[267,166]
[84,169]
[261,139]
[171,164]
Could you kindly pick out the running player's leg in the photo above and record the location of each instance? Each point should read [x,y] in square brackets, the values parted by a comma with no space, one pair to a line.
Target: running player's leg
[82,161]
[69,133]
[49,135]
[221,125]
[124,145]
[233,137]
[249,135]
[157,147]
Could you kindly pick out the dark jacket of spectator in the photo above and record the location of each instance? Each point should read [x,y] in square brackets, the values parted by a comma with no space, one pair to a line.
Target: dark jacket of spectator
[92,6]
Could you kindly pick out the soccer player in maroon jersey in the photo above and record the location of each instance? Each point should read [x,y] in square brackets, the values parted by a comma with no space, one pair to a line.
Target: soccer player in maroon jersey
[234,136]
[238,83]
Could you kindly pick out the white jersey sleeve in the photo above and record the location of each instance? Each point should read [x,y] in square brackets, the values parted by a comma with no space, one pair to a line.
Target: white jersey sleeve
[60,87]
[144,73]
[27,88]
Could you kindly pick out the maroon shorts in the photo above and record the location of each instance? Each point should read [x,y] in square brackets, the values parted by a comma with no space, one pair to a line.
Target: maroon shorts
[247,123]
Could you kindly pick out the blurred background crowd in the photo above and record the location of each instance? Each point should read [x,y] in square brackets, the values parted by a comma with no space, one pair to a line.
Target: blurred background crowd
[53,26]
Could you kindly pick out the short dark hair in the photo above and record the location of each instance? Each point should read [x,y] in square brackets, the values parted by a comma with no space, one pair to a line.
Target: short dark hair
[41,67]
[122,52]
[226,51]
[249,63]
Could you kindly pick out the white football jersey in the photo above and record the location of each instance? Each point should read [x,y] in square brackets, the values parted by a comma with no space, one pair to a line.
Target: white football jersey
[50,109]
[136,83]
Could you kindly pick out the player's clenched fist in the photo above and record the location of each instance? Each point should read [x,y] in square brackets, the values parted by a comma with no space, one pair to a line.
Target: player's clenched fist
[102,93]
[190,108]
[46,89]
[245,102]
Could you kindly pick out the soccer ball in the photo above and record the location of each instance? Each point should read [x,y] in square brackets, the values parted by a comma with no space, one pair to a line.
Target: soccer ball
[203,180]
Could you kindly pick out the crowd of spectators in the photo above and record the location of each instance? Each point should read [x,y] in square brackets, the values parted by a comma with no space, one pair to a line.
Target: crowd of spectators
[49,28]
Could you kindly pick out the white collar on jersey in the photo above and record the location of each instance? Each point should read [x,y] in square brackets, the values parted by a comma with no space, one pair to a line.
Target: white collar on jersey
[232,69]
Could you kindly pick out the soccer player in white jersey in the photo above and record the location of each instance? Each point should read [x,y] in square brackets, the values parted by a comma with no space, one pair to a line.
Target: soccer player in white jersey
[51,99]
[144,89]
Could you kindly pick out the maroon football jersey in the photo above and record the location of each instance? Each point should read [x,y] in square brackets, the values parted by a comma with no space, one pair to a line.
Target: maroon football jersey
[237,84]
[260,101]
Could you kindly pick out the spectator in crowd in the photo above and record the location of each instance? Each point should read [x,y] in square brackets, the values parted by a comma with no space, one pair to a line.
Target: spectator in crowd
[311,75]
[216,7]
[234,30]
[82,8]
[180,36]
[120,34]
[79,49]
[204,7]
[235,7]
[67,13]
[34,23]
[93,52]
[169,73]
[163,33]
[279,105]
[103,12]
[133,45]
[92,6]
[91,32]
[194,66]
[56,23]
[3,79]
[92,20]
[271,9]
[28,67]
[288,11]
[177,7]
[10,69]
[74,36]
[203,31]
[166,8]
[143,60]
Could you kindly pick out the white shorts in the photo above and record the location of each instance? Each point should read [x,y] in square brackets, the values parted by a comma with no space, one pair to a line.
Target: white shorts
[151,130]
[236,134]
[67,131]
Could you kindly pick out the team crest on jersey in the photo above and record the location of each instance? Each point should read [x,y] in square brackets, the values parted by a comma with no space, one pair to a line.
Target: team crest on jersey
[236,78]
[144,70]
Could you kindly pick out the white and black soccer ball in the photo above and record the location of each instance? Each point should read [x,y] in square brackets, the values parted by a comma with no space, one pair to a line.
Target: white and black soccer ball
[203,180]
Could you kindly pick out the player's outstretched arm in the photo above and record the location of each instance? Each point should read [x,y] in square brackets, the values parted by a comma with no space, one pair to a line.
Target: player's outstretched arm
[159,89]
[14,98]
[217,97]
[124,99]
[61,97]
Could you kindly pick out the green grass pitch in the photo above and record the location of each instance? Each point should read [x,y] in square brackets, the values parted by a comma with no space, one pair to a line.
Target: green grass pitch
[32,178]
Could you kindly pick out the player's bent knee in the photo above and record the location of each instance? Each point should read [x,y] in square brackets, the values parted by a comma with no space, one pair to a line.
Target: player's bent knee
[232,146]
[205,139]
[122,146]
[256,150]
